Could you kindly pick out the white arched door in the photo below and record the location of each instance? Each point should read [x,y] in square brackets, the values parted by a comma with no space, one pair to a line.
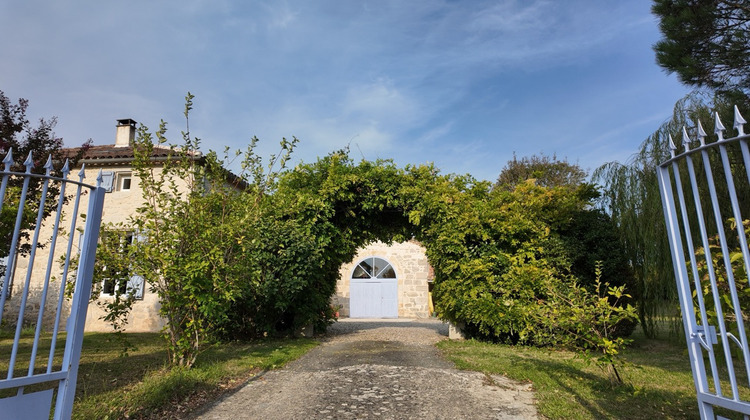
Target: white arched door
[373,290]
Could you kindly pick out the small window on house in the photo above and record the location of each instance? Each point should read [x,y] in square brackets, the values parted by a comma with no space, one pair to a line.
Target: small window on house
[124,180]
[124,283]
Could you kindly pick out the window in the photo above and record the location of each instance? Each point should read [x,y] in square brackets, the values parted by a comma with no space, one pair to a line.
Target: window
[124,180]
[133,285]
[122,281]
[374,267]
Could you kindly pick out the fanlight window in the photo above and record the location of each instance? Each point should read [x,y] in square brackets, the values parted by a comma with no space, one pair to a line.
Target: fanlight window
[374,268]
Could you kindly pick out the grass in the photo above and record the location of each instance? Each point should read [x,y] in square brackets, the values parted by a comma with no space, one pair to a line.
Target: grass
[140,385]
[658,380]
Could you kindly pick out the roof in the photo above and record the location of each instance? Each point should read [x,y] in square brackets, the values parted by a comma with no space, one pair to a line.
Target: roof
[110,154]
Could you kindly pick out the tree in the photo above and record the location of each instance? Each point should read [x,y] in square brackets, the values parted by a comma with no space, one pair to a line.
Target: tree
[546,171]
[707,43]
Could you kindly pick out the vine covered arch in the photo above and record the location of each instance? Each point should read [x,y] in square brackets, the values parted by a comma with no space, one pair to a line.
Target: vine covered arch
[497,253]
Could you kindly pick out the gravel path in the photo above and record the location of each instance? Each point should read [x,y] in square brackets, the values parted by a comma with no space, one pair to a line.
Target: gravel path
[377,369]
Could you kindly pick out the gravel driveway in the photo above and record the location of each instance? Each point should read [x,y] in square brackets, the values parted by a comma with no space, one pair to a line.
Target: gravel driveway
[377,369]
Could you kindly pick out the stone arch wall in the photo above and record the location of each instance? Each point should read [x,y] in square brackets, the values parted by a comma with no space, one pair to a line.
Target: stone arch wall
[412,270]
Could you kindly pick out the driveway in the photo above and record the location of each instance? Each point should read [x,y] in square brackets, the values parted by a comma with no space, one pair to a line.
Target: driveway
[377,369]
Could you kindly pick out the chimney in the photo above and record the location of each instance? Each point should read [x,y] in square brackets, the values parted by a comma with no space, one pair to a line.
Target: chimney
[125,133]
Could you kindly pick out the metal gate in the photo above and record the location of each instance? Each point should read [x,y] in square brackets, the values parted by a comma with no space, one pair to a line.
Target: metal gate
[705,191]
[39,372]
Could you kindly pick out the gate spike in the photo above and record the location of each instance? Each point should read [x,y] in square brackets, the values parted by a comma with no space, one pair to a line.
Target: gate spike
[719,130]
[685,138]
[82,173]
[99,179]
[672,147]
[29,163]
[701,133]
[48,165]
[65,169]
[739,122]
[8,160]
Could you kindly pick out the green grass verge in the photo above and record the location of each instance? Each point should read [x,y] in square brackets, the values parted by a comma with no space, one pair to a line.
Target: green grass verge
[140,385]
[658,381]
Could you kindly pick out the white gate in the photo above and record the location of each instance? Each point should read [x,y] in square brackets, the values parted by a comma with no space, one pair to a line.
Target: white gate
[39,373]
[711,260]
[373,290]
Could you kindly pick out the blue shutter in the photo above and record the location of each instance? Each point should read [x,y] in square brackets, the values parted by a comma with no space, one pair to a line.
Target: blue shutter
[108,179]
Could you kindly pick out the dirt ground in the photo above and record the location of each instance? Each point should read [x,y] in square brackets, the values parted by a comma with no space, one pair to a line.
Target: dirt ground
[376,369]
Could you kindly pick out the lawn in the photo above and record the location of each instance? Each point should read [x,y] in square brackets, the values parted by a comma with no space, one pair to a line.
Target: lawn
[658,381]
[112,385]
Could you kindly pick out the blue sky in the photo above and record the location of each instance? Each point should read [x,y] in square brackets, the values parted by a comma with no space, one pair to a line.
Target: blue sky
[463,84]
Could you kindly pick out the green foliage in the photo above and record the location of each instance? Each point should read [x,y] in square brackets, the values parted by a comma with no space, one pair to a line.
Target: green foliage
[723,292]
[706,43]
[500,256]
[589,321]
[546,171]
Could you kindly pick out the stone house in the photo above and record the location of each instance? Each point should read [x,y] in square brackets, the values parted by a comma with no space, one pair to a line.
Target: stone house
[383,281]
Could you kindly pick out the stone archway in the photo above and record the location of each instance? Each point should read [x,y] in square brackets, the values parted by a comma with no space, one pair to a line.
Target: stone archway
[412,276]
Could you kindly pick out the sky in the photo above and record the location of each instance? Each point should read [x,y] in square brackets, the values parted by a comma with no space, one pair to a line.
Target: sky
[462,84]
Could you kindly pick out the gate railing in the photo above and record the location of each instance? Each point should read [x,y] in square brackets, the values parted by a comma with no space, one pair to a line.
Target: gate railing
[36,376]
[707,233]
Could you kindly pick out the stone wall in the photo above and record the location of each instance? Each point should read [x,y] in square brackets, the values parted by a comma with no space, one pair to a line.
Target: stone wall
[412,271]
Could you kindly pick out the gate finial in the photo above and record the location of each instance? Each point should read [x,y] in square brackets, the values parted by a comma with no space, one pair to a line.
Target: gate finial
[719,130]
[99,179]
[48,165]
[82,173]
[685,138]
[701,134]
[672,147]
[8,160]
[65,169]
[739,122]
[29,163]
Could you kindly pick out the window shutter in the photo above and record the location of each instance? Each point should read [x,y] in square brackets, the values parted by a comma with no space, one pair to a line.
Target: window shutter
[136,286]
[108,178]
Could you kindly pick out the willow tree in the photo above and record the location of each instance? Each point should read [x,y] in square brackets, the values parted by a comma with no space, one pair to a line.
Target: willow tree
[630,195]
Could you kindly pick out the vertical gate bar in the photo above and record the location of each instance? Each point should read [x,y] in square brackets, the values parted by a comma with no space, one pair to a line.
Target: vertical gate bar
[66,391]
[711,272]
[746,257]
[30,268]
[725,254]
[684,294]
[50,263]
[16,232]
[694,265]
[64,277]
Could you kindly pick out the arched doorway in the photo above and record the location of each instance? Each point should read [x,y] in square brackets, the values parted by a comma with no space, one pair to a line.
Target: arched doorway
[373,289]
